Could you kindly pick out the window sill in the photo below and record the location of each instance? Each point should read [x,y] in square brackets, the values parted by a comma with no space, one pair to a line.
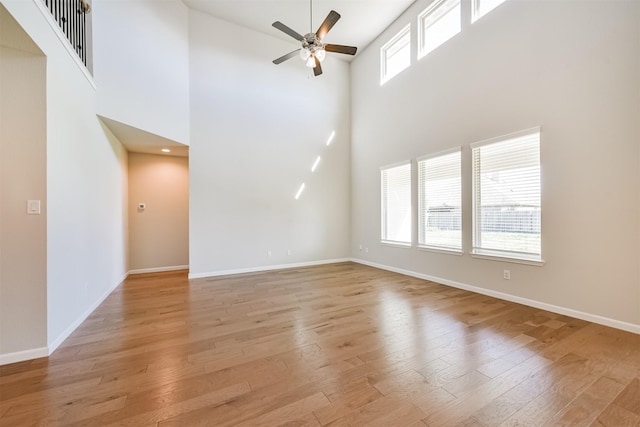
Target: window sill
[457,252]
[395,244]
[493,256]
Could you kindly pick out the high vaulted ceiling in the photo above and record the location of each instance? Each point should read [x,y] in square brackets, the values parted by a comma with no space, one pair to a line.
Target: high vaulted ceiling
[362,20]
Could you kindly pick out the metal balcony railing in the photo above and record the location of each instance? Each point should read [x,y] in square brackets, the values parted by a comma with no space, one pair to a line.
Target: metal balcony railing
[72,17]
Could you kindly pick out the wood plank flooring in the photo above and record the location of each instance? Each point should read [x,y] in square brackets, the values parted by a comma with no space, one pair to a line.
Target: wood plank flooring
[338,345]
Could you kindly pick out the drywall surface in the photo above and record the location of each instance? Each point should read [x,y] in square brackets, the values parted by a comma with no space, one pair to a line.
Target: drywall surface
[571,68]
[256,130]
[86,175]
[141,64]
[87,193]
[159,233]
[23,169]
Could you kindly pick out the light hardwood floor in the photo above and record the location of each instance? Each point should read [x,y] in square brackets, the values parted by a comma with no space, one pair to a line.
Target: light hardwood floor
[342,344]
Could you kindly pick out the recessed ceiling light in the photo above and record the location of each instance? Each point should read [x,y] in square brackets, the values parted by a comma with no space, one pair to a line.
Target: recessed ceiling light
[166,150]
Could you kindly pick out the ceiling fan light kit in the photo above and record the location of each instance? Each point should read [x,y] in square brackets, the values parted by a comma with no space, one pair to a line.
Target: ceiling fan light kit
[313,51]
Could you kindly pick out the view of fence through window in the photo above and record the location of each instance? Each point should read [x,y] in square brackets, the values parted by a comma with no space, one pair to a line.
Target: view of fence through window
[507,196]
[440,201]
[73,18]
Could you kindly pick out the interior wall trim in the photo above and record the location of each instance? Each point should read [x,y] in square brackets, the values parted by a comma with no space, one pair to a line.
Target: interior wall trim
[601,320]
[159,269]
[63,336]
[266,268]
[20,356]
[35,353]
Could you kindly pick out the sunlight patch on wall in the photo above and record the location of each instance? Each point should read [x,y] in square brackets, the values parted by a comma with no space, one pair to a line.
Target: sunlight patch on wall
[330,140]
[300,190]
[316,163]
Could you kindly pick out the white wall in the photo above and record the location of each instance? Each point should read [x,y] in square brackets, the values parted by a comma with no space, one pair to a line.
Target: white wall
[86,186]
[158,234]
[570,67]
[141,64]
[256,129]
[23,169]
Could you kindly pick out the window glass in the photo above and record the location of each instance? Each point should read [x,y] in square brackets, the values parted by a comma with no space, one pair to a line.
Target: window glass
[440,201]
[480,8]
[438,23]
[507,199]
[395,56]
[396,204]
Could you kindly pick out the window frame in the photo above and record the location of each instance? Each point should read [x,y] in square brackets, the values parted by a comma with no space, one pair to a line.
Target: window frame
[498,254]
[383,211]
[384,59]
[421,193]
[430,10]
[476,13]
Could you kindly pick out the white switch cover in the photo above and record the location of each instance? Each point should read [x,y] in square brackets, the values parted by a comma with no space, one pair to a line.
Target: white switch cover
[33,207]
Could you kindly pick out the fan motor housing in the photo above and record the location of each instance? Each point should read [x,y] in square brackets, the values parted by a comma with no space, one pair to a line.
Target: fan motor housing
[311,42]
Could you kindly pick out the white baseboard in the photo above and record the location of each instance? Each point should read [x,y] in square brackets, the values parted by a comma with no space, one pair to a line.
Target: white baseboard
[63,336]
[35,353]
[601,320]
[159,269]
[265,268]
[21,356]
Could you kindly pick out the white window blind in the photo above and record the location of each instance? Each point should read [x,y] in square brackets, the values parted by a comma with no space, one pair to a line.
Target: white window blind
[438,23]
[396,204]
[506,194]
[479,8]
[395,55]
[440,201]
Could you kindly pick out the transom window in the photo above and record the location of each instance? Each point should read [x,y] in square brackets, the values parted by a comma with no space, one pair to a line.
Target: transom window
[506,196]
[395,55]
[479,8]
[437,24]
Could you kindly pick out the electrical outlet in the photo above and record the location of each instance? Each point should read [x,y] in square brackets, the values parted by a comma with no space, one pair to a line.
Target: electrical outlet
[506,274]
[288,251]
[269,253]
[366,250]
[360,247]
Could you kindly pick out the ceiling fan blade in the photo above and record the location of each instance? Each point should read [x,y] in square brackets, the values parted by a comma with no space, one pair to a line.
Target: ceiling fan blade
[328,23]
[338,48]
[285,57]
[279,25]
[317,70]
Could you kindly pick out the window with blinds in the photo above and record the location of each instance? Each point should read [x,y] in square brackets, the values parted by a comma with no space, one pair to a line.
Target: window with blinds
[440,201]
[438,23]
[396,204]
[506,196]
[395,55]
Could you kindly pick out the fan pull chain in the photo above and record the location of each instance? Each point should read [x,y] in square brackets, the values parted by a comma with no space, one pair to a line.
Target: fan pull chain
[311,16]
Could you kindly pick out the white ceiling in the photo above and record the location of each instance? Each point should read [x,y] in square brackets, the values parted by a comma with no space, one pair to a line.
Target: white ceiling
[362,20]
[138,141]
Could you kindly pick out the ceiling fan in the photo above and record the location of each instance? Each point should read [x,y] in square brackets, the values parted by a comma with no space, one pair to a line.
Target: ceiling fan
[313,50]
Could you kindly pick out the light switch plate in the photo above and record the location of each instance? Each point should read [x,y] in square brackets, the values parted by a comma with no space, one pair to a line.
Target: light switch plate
[33,207]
